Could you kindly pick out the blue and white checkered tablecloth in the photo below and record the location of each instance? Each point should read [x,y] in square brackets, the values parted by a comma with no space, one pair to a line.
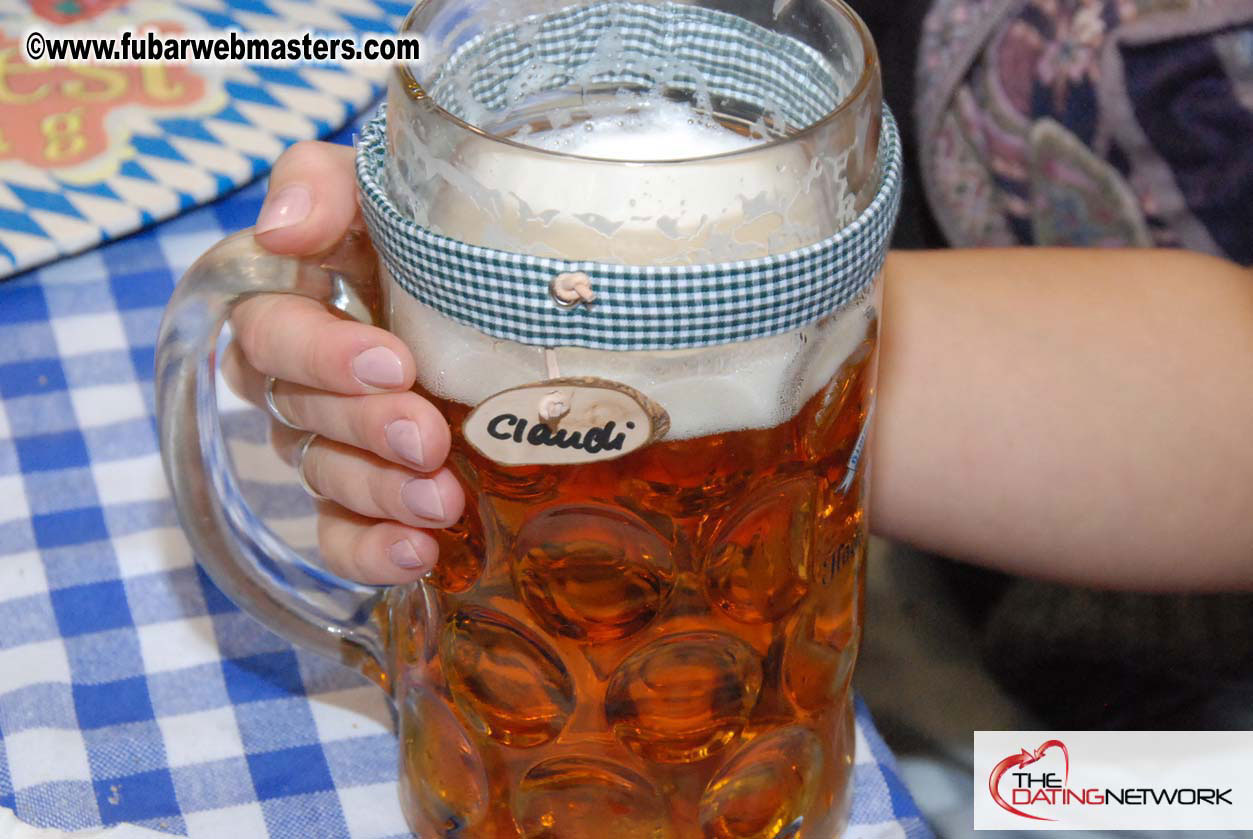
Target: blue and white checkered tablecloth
[132,693]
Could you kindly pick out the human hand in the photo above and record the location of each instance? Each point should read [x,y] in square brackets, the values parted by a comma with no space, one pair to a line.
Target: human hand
[378,456]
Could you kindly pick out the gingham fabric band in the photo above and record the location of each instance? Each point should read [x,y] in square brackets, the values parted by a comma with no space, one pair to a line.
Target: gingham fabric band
[506,295]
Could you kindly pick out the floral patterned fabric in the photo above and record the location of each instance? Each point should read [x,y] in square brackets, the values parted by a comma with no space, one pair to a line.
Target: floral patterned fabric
[1090,122]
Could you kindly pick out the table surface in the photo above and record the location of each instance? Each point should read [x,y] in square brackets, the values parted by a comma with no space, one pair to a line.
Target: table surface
[132,693]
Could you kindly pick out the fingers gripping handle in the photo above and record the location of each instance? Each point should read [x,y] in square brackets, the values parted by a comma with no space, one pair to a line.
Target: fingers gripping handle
[252,566]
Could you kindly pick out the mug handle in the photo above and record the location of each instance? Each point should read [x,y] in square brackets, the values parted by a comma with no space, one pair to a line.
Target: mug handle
[256,569]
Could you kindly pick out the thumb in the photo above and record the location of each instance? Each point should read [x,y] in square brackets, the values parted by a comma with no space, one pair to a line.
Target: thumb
[312,200]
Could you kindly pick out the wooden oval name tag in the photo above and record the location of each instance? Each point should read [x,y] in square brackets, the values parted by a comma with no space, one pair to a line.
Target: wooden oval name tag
[562,421]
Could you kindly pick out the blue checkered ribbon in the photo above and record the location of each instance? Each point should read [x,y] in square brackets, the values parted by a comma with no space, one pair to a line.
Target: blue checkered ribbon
[638,307]
[132,693]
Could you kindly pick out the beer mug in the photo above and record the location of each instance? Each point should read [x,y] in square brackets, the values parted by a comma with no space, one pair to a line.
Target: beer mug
[635,248]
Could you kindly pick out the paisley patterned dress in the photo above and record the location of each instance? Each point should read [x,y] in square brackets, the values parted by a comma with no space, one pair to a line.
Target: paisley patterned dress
[1089,122]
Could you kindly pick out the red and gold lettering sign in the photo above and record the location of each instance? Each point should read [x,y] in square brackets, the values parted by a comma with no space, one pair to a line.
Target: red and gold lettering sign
[58,116]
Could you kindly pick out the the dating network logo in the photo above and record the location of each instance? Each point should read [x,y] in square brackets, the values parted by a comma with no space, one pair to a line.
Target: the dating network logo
[1119,779]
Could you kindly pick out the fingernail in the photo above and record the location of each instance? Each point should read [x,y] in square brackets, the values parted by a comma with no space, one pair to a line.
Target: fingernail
[403,555]
[379,367]
[406,440]
[290,205]
[421,496]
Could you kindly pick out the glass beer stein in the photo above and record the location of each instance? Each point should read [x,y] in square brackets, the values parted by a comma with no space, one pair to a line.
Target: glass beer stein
[635,248]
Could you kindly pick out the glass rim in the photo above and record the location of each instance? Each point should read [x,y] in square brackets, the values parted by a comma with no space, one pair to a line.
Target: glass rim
[870,62]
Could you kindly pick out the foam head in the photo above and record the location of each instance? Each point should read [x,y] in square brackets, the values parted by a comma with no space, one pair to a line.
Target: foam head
[656,129]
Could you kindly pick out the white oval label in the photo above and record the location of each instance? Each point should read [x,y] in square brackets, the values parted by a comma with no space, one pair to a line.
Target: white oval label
[563,421]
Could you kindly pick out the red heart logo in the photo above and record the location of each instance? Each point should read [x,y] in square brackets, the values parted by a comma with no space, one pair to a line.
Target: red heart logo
[1024,758]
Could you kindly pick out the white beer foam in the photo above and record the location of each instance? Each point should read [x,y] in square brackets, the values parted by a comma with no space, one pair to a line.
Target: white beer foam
[660,130]
[744,385]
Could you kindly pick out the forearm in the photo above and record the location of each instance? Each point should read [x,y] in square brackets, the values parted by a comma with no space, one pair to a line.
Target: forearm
[1073,414]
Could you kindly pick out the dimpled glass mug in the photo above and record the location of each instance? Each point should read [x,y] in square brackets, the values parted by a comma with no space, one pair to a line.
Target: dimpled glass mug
[635,248]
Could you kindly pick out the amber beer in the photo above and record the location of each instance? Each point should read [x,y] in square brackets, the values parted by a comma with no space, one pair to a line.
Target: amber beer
[654,646]
[645,626]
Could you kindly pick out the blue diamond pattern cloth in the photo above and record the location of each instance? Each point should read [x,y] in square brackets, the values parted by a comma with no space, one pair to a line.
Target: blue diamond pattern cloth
[175,140]
[132,693]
